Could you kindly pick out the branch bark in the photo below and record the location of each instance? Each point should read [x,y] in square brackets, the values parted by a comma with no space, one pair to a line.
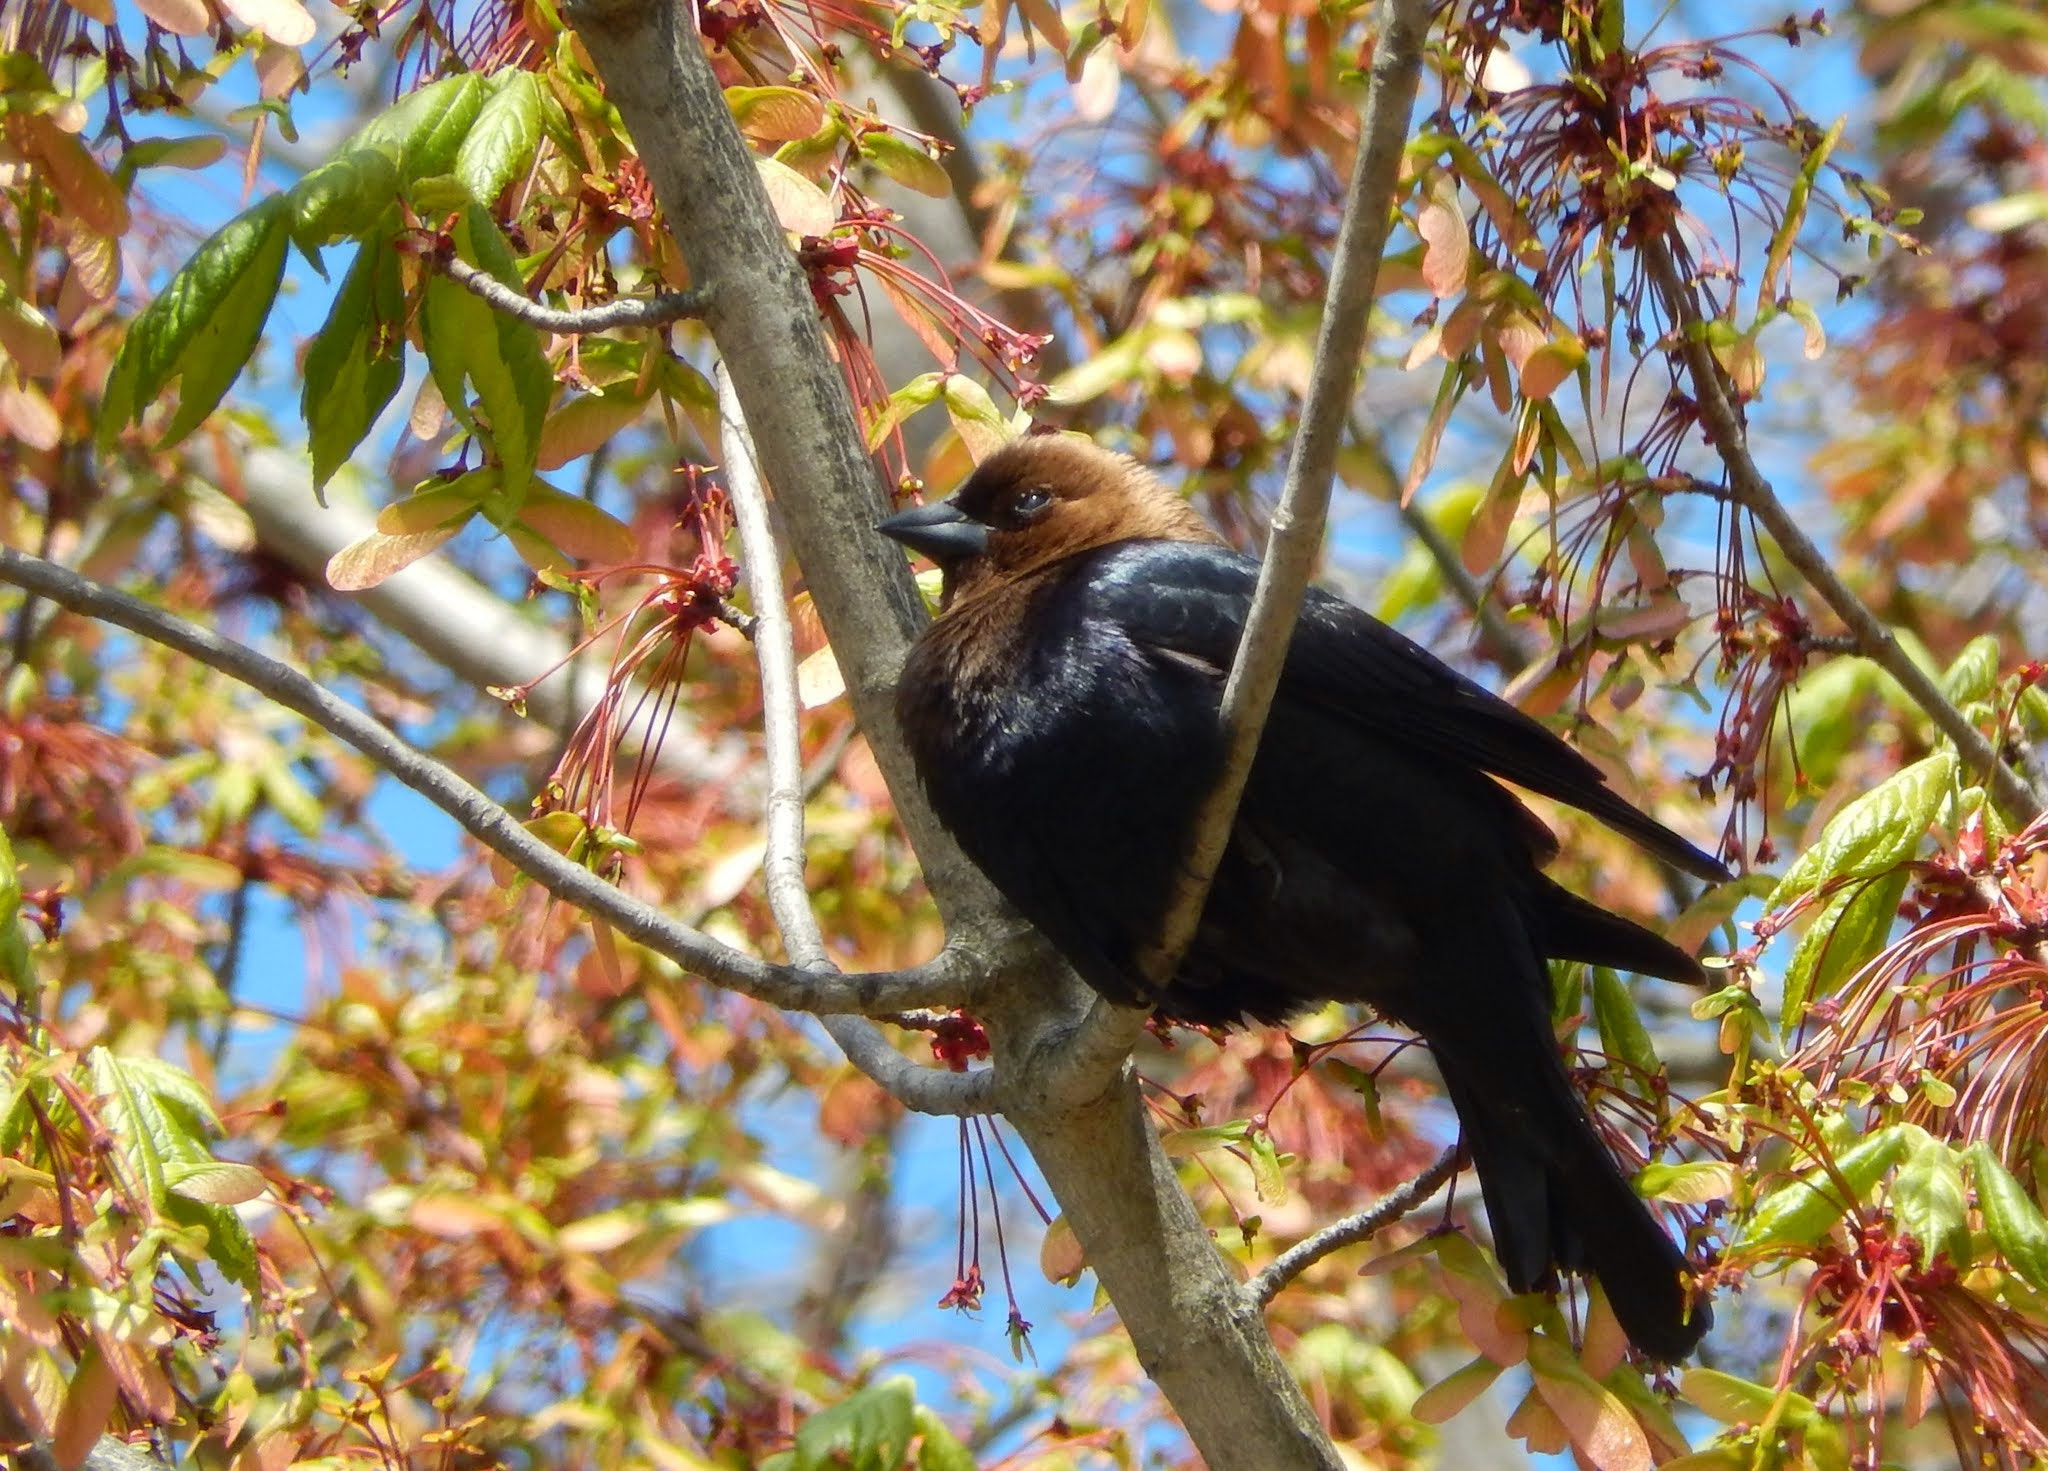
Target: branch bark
[2020,797]
[939,982]
[924,1089]
[1195,1329]
[1359,1226]
[463,626]
[629,311]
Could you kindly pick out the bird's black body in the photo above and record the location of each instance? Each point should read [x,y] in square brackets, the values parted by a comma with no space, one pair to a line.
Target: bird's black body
[1062,712]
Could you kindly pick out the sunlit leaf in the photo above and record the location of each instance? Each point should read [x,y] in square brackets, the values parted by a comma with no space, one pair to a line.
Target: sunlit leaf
[1798,1213]
[1455,1391]
[800,206]
[286,22]
[1881,828]
[203,326]
[355,362]
[907,164]
[369,560]
[1928,1199]
[499,145]
[775,113]
[2011,1218]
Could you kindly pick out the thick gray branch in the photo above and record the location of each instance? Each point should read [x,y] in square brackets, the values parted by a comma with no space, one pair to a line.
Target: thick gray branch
[940,982]
[769,336]
[789,898]
[463,626]
[1751,491]
[1193,1327]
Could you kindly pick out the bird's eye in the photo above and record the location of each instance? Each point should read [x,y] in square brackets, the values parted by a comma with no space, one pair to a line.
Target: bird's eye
[1030,502]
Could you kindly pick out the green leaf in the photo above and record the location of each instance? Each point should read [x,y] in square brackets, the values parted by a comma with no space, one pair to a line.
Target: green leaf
[1797,1214]
[976,419]
[149,1133]
[1622,1033]
[202,327]
[469,343]
[868,1431]
[1692,1183]
[500,144]
[1974,672]
[1881,828]
[938,1448]
[424,131]
[344,198]
[2012,1219]
[16,968]
[418,138]
[355,363]
[1851,927]
[1927,1198]
[1735,1401]
[161,1117]
[907,164]
[228,1244]
[924,389]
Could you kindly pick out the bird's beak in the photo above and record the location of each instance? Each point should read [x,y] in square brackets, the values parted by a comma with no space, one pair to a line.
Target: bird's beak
[941,531]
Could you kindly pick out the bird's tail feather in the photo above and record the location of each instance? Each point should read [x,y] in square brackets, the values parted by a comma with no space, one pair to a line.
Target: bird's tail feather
[1572,928]
[1556,1199]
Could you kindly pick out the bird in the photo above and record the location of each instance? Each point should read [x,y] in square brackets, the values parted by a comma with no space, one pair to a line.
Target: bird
[1062,715]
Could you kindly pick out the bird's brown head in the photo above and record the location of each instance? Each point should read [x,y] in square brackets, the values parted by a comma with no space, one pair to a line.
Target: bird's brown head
[1036,502]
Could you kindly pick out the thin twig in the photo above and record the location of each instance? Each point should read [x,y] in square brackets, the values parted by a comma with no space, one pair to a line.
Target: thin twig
[1297,528]
[926,1090]
[1353,1229]
[1089,1059]
[1753,493]
[628,311]
[939,982]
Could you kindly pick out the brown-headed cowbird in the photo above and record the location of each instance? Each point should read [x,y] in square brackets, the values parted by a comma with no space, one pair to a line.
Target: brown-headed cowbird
[1062,712]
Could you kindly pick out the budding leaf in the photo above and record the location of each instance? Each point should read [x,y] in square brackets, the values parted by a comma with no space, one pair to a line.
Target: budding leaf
[202,327]
[1930,1204]
[1878,830]
[498,147]
[1797,1214]
[2016,1225]
[353,368]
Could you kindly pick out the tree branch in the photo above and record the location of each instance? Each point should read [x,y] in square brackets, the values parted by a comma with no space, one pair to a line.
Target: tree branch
[1194,1330]
[627,311]
[939,982]
[1298,519]
[927,1090]
[463,626]
[1361,1226]
[1753,493]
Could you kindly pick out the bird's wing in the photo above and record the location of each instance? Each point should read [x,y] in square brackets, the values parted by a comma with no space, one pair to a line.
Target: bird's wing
[1191,601]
